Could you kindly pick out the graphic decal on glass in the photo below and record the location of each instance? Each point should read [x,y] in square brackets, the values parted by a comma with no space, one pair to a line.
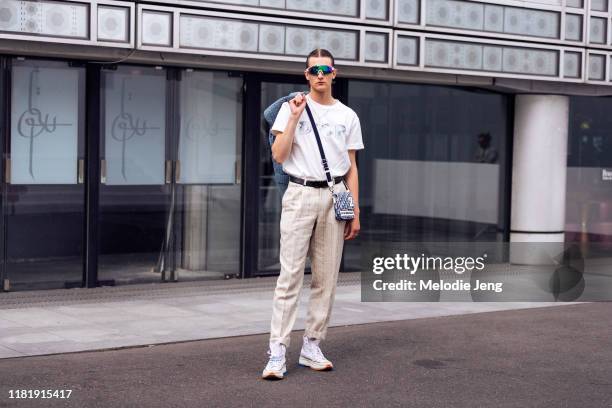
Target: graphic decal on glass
[32,124]
[210,115]
[44,131]
[135,128]
[126,127]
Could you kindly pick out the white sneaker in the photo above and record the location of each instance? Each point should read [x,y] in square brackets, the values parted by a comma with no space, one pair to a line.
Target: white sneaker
[276,367]
[312,356]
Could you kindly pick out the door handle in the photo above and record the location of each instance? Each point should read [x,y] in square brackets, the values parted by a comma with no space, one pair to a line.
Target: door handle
[7,170]
[237,170]
[168,172]
[177,171]
[81,171]
[103,171]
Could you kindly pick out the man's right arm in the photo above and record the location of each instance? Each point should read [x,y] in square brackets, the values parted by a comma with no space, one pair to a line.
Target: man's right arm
[281,148]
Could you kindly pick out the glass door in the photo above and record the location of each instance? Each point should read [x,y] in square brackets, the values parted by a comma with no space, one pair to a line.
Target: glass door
[135,184]
[208,175]
[43,184]
[170,193]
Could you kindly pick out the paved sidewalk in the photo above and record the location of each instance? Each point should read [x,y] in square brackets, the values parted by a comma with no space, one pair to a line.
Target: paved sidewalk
[538,358]
[70,320]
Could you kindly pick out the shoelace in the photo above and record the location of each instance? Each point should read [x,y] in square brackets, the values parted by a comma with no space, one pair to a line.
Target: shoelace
[317,352]
[275,362]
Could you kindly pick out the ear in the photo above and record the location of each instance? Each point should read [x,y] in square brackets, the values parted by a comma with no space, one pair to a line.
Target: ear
[306,74]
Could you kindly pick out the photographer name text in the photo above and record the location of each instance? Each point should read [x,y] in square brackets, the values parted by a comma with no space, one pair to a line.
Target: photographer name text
[411,265]
[430,284]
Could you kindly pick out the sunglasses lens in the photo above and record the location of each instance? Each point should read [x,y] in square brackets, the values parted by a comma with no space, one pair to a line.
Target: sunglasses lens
[325,69]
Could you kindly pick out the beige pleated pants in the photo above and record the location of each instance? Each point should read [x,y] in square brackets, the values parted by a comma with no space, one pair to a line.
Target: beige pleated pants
[307,220]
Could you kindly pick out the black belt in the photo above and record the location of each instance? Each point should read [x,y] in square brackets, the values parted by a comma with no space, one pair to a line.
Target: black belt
[316,184]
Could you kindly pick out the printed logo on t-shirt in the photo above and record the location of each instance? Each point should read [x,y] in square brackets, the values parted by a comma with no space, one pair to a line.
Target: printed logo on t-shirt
[303,127]
[340,131]
[325,129]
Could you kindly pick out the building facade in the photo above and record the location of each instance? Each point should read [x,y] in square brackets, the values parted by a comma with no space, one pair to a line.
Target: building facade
[134,147]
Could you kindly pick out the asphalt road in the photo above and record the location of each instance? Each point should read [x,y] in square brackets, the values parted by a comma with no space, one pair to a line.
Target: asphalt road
[545,357]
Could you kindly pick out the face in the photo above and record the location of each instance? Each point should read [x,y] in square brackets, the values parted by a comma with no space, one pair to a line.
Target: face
[483,142]
[320,82]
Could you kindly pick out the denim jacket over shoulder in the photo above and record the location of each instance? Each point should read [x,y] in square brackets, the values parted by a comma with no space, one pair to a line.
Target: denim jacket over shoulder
[270,116]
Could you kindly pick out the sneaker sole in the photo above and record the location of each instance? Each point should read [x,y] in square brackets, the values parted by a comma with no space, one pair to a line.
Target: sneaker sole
[274,375]
[306,362]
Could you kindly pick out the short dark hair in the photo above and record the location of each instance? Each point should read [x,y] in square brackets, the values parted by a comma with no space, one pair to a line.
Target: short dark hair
[320,52]
[485,135]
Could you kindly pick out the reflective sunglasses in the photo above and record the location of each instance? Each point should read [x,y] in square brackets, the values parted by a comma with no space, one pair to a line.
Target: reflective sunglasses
[324,69]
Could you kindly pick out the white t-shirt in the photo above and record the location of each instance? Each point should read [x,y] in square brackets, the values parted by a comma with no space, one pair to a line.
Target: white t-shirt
[339,130]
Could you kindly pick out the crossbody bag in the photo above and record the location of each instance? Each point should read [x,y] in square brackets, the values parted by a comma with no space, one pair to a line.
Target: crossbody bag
[344,208]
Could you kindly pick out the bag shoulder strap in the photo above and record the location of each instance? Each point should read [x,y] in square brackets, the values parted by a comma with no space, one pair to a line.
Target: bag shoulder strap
[328,176]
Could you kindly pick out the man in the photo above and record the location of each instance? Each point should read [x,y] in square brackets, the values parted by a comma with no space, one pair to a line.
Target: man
[307,218]
[486,153]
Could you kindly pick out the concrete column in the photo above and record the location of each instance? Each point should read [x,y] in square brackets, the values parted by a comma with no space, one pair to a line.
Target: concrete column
[538,177]
[195,228]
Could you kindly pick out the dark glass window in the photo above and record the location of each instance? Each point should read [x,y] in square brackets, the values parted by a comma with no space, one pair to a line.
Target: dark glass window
[589,173]
[433,168]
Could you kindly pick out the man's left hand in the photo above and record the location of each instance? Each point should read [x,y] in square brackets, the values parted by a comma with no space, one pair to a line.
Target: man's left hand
[352,228]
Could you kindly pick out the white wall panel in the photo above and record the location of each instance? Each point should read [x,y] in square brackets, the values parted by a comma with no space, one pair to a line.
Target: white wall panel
[114,23]
[371,11]
[561,27]
[157,28]
[454,54]
[228,34]
[45,18]
[506,19]
[90,22]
